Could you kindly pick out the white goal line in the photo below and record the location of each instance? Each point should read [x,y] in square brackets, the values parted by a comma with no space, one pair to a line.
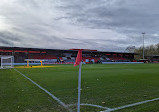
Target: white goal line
[116,108]
[130,105]
[91,105]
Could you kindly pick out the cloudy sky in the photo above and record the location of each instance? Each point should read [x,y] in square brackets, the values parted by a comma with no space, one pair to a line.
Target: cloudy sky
[109,25]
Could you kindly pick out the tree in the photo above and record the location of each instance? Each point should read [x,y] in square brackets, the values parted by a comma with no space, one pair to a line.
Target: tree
[157,48]
[139,53]
[130,49]
[149,51]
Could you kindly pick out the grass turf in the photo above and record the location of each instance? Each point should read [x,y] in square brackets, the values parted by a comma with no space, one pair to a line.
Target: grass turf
[105,85]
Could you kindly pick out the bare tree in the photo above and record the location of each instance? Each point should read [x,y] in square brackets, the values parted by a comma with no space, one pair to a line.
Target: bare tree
[149,51]
[130,49]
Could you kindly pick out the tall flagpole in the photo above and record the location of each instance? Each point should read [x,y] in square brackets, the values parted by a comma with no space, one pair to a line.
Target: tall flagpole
[79,87]
[143,45]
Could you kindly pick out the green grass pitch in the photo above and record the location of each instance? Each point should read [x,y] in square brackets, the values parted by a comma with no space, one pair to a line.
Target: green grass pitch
[105,85]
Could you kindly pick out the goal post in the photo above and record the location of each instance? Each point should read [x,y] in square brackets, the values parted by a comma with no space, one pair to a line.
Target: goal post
[7,61]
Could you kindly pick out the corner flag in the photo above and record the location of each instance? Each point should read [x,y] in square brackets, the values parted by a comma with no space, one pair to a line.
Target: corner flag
[79,62]
[79,58]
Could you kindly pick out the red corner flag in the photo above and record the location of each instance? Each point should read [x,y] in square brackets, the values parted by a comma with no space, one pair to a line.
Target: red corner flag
[78,62]
[79,58]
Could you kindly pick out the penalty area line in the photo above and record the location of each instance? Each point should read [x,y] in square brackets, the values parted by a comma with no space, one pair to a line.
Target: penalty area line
[130,105]
[46,91]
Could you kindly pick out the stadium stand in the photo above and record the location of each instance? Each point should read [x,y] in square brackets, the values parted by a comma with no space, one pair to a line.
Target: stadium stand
[65,56]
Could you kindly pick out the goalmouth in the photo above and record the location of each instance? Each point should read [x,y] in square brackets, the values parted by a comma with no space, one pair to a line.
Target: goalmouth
[7,62]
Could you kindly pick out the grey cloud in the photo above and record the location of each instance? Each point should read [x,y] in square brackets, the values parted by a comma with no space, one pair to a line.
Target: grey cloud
[60,23]
[7,38]
[135,15]
[5,42]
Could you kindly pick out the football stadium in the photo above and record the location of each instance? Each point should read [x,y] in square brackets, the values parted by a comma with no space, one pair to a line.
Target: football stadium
[79,56]
[36,79]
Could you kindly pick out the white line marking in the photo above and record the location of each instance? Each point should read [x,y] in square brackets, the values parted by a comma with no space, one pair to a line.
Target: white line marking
[92,105]
[66,106]
[46,91]
[130,105]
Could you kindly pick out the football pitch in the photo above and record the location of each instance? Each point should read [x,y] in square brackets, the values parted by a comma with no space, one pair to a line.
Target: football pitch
[103,87]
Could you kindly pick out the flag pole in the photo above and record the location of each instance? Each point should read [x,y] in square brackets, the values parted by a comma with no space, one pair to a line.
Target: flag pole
[79,87]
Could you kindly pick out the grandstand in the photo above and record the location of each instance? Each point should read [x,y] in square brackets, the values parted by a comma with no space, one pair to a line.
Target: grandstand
[59,56]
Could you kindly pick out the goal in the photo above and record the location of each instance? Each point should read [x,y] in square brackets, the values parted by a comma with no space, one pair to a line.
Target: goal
[7,61]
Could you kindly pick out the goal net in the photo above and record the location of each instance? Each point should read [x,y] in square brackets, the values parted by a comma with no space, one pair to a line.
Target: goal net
[7,62]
